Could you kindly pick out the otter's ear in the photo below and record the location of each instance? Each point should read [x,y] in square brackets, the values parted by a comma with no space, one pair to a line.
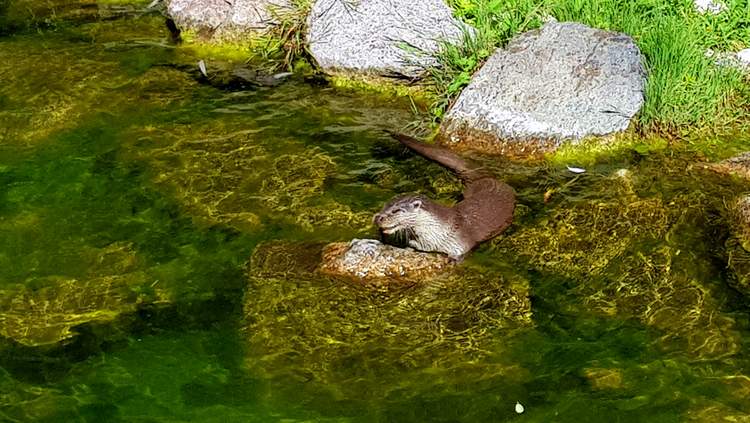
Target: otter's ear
[416,204]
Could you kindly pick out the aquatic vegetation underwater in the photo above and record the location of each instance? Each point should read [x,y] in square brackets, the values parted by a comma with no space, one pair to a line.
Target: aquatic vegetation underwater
[160,236]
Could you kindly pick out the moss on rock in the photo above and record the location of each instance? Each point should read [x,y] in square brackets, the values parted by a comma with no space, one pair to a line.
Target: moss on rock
[337,337]
[210,178]
[46,310]
[633,254]
[738,245]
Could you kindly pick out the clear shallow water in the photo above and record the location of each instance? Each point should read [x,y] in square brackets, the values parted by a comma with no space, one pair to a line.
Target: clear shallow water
[132,195]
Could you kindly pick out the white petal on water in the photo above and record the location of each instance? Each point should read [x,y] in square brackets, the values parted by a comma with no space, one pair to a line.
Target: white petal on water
[202,67]
[576,169]
[519,408]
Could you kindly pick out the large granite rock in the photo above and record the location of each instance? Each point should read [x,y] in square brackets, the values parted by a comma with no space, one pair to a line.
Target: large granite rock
[563,81]
[380,37]
[221,20]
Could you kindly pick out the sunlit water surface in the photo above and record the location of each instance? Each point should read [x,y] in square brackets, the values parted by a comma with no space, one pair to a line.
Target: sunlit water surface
[133,193]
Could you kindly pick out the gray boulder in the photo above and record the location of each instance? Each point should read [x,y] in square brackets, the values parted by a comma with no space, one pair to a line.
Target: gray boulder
[380,37]
[563,81]
[221,20]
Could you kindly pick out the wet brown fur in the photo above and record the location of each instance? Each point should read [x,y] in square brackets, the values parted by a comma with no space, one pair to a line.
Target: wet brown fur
[485,211]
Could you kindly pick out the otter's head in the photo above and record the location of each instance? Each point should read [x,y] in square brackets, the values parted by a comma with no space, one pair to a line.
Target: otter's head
[401,213]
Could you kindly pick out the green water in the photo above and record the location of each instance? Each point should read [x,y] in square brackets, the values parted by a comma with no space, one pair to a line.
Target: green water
[133,194]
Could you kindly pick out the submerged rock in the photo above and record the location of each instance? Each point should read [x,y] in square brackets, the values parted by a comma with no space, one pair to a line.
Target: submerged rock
[738,245]
[372,260]
[563,81]
[47,310]
[634,256]
[738,165]
[227,21]
[232,179]
[18,14]
[380,37]
[312,336]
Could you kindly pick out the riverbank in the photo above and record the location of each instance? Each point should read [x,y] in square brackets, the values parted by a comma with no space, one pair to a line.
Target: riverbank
[686,90]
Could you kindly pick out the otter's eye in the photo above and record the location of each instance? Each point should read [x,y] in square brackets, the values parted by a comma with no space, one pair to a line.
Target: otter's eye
[396,211]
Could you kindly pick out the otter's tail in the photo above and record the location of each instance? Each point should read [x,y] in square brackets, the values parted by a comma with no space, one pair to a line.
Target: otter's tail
[449,159]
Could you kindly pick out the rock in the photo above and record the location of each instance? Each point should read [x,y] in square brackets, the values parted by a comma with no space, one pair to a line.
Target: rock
[738,245]
[207,173]
[563,81]
[309,334]
[738,165]
[225,21]
[602,378]
[709,6]
[380,37]
[636,256]
[372,260]
[744,57]
[45,311]
[739,60]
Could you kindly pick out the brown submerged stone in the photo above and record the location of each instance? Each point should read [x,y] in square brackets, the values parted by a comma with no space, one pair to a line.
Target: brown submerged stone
[738,245]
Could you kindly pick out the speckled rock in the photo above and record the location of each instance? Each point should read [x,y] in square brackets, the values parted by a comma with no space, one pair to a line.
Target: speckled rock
[563,81]
[373,260]
[709,6]
[380,37]
[221,20]
[737,60]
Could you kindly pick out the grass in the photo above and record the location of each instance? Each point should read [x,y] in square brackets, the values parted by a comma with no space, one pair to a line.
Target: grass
[284,47]
[685,90]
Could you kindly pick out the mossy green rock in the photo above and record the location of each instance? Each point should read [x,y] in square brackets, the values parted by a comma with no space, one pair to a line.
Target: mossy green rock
[302,326]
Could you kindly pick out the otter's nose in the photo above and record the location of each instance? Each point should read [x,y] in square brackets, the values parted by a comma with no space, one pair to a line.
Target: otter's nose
[377,219]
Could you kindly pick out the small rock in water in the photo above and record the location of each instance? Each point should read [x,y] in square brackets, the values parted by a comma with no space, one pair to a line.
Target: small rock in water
[709,6]
[283,75]
[519,408]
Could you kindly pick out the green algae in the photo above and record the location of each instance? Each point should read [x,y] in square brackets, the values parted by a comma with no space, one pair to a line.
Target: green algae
[124,234]
[335,338]
[44,310]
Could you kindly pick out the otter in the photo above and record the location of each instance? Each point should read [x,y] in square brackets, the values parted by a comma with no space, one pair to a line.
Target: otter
[485,211]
